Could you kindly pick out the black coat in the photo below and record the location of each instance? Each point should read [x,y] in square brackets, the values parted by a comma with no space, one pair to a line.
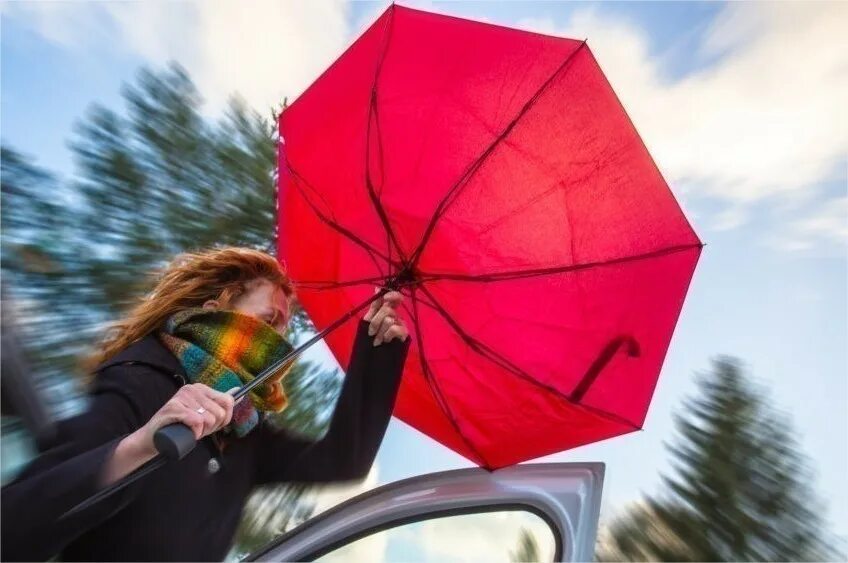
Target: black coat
[183,511]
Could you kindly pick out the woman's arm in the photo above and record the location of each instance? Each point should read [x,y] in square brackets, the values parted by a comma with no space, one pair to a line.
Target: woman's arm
[356,430]
[68,473]
[104,444]
[136,449]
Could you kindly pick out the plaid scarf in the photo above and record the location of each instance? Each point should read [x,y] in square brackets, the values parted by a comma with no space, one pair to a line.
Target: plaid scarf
[225,349]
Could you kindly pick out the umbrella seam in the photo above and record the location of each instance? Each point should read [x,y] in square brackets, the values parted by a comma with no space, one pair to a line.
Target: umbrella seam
[519,274]
[335,225]
[373,115]
[463,181]
[436,390]
[477,346]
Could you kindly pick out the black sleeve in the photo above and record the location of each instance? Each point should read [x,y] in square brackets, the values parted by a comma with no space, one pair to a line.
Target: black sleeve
[71,469]
[356,430]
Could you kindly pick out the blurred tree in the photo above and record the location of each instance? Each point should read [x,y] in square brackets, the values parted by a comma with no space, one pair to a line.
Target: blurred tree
[741,490]
[527,550]
[307,386]
[640,535]
[38,241]
[271,510]
[154,180]
[275,509]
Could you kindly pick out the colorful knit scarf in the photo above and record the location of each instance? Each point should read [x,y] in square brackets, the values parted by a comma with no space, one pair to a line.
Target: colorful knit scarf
[225,349]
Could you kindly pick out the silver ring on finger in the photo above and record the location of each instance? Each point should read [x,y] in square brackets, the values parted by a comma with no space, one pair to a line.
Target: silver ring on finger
[201,410]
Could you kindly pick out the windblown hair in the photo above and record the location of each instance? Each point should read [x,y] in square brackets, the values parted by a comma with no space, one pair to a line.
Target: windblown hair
[189,280]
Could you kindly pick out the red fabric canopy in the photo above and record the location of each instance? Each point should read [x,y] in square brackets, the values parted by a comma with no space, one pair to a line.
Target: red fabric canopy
[545,259]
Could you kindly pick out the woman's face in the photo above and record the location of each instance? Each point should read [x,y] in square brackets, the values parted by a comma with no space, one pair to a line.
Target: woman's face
[263,300]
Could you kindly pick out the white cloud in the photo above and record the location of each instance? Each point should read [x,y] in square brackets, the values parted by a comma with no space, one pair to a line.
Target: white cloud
[825,225]
[483,537]
[729,218]
[766,119]
[487,536]
[264,49]
[831,222]
[64,23]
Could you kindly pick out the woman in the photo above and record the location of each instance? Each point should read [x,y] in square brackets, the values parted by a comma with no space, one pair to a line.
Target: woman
[214,320]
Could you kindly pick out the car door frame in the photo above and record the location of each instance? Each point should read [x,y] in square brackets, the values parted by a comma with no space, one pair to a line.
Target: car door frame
[567,496]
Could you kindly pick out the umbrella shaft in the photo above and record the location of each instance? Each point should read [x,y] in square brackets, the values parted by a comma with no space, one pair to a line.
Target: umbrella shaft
[275,367]
[160,460]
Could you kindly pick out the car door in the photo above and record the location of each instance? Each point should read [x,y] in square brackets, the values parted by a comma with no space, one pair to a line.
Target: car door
[526,512]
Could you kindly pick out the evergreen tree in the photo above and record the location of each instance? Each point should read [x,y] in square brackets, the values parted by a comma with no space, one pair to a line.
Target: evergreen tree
[740,491]
[36,243]
[150,181]
[528,548]
[271,511]
[640,535]
[308,386]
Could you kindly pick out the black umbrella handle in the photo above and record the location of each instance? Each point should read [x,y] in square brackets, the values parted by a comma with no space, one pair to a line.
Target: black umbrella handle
[175,441]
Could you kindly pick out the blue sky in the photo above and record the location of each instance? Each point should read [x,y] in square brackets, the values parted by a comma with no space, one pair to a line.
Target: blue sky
[750,134]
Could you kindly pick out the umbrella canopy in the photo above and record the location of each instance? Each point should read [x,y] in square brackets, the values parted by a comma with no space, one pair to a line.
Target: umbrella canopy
[495,173]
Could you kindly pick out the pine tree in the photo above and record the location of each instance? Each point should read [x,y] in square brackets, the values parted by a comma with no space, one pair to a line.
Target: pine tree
[308,386]
[152,180]
[740,491]
[528,548]
[271,511]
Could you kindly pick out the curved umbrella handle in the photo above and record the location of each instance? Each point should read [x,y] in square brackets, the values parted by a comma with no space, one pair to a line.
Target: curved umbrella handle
[633,350]
[174,441]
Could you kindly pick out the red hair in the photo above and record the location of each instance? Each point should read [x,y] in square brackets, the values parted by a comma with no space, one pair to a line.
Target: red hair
[189,280]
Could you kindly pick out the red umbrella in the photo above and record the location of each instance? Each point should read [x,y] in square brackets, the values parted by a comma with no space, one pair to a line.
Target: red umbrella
[496,175]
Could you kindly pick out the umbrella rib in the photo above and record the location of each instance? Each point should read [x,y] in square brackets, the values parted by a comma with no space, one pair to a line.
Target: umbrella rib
[434,386]
[328,284]
[489,354]
[374,116]
[335,225]
[472,168]
[369,184]
[520,274]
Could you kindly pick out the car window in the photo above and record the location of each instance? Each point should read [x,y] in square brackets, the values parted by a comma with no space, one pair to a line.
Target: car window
[506,535]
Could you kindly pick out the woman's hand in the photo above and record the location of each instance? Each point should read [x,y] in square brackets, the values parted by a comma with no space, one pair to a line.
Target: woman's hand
[384,320]
[198,406]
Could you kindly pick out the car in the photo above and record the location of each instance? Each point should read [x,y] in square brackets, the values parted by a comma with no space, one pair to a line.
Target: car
[539,512]
[526,512]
